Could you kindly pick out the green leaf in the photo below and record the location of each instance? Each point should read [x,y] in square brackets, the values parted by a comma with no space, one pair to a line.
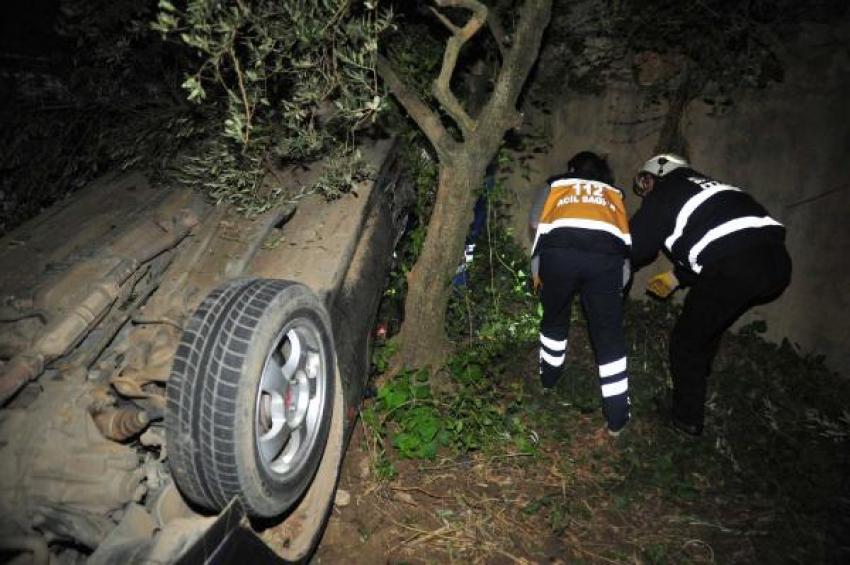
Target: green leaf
[195,89]
[166,22]
[393,397]
[408,444]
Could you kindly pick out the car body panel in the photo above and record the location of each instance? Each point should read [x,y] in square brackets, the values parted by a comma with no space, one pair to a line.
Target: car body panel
[93,297]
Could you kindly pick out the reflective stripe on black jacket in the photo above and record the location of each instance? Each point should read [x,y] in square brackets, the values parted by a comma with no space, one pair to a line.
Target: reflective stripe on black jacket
[696,220]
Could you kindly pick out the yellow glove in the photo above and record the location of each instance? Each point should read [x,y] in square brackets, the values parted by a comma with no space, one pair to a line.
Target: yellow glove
[663,285]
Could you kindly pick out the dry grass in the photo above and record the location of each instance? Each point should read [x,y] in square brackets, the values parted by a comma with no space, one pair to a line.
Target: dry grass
[767,483]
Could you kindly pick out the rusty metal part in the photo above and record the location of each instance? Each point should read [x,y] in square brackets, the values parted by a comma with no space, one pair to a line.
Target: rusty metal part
[173,300]
[36,546]
[147,353]
[17,373]
[132,249]
[134,292]
[127,540]
[223,246]
[58,337]
[170,505]
[67,330]
[120,424]
[10,315]
[59,470]
[19,336]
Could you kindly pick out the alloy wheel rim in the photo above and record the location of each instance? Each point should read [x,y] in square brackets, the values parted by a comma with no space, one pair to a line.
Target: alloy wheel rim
[290,399]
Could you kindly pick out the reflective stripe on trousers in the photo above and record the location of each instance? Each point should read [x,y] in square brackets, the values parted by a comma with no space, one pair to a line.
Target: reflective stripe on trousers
[613,378]
[598,279]
[552,353]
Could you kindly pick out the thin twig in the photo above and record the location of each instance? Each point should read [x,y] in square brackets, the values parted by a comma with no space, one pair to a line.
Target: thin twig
[248,109]
[418,489]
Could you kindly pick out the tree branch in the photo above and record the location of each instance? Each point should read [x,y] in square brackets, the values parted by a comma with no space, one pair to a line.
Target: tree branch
[445,21]
[442,87]
[424,117]
[498,32]
[500,111]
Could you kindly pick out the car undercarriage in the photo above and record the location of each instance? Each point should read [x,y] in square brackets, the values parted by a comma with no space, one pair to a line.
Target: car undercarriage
[163,358]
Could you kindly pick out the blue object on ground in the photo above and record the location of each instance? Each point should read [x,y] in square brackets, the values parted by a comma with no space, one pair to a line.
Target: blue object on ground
[479,222]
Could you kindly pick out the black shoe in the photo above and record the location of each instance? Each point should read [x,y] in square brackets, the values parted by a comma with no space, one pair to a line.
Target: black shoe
[664,406]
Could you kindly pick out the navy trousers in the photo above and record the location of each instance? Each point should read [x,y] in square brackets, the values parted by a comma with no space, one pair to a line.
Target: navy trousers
[597,278]
[722,293]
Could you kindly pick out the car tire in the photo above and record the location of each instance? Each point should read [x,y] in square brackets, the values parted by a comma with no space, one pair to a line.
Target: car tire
[250,396]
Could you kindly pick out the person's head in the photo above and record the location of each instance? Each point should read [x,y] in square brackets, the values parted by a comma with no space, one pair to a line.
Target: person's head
[654,169]
[590,166]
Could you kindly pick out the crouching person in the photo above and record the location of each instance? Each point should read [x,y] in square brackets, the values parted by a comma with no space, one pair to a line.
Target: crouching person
[581,242]
[725,247]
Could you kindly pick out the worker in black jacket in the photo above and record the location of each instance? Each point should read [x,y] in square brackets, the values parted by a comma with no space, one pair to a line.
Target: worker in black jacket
[725,247]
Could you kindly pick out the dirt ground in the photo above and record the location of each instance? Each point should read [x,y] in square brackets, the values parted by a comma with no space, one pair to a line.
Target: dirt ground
[514,508]
[556,505]
[465,510]
[763,485]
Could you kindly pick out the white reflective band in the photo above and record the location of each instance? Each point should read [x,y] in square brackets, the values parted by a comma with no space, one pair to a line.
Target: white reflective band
[583,223]
[724,229]
[552,344]
[613,389]
[613,368]
[551,359]
[690,206]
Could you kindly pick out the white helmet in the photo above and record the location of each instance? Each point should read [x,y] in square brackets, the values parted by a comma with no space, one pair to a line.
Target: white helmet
[662,164]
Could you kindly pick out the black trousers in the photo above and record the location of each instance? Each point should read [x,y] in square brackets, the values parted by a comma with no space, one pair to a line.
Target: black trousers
[721,294]
[598,279]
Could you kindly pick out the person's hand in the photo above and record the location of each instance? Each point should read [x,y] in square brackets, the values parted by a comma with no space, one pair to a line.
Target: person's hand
[536,283]
[663,285]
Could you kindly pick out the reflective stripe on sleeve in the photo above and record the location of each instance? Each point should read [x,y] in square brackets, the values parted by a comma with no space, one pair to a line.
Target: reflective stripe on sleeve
[613,368]
[555,361]
[690,206]
[724,229]
[615,388]
[553,345]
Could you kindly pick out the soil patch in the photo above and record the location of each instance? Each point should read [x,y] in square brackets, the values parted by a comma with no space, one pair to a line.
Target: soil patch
[767,483]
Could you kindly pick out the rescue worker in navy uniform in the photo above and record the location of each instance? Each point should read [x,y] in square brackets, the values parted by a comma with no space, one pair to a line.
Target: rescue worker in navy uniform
[582,242]
[725,247]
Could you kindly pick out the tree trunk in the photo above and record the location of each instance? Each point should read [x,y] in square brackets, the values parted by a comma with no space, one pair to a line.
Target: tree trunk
[423,336]
[462,164]
[671,139]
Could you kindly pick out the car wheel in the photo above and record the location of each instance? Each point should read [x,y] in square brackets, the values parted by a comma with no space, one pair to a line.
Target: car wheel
[250,396]
[296,537]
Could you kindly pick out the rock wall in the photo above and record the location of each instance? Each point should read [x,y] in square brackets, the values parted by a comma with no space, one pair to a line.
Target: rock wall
[788,144]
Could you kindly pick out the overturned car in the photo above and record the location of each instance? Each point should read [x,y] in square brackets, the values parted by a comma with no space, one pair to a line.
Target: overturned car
[168,366]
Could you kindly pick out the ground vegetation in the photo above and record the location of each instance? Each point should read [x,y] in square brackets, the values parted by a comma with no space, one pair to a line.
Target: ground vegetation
[482,466]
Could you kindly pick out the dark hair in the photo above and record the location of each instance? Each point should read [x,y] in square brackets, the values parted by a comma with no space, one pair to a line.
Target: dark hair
[590,166]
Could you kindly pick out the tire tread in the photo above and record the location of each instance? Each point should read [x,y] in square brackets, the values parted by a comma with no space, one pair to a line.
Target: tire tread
[203,387]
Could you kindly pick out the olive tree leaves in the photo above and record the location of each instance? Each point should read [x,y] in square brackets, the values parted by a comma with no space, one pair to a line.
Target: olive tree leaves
[289,81]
